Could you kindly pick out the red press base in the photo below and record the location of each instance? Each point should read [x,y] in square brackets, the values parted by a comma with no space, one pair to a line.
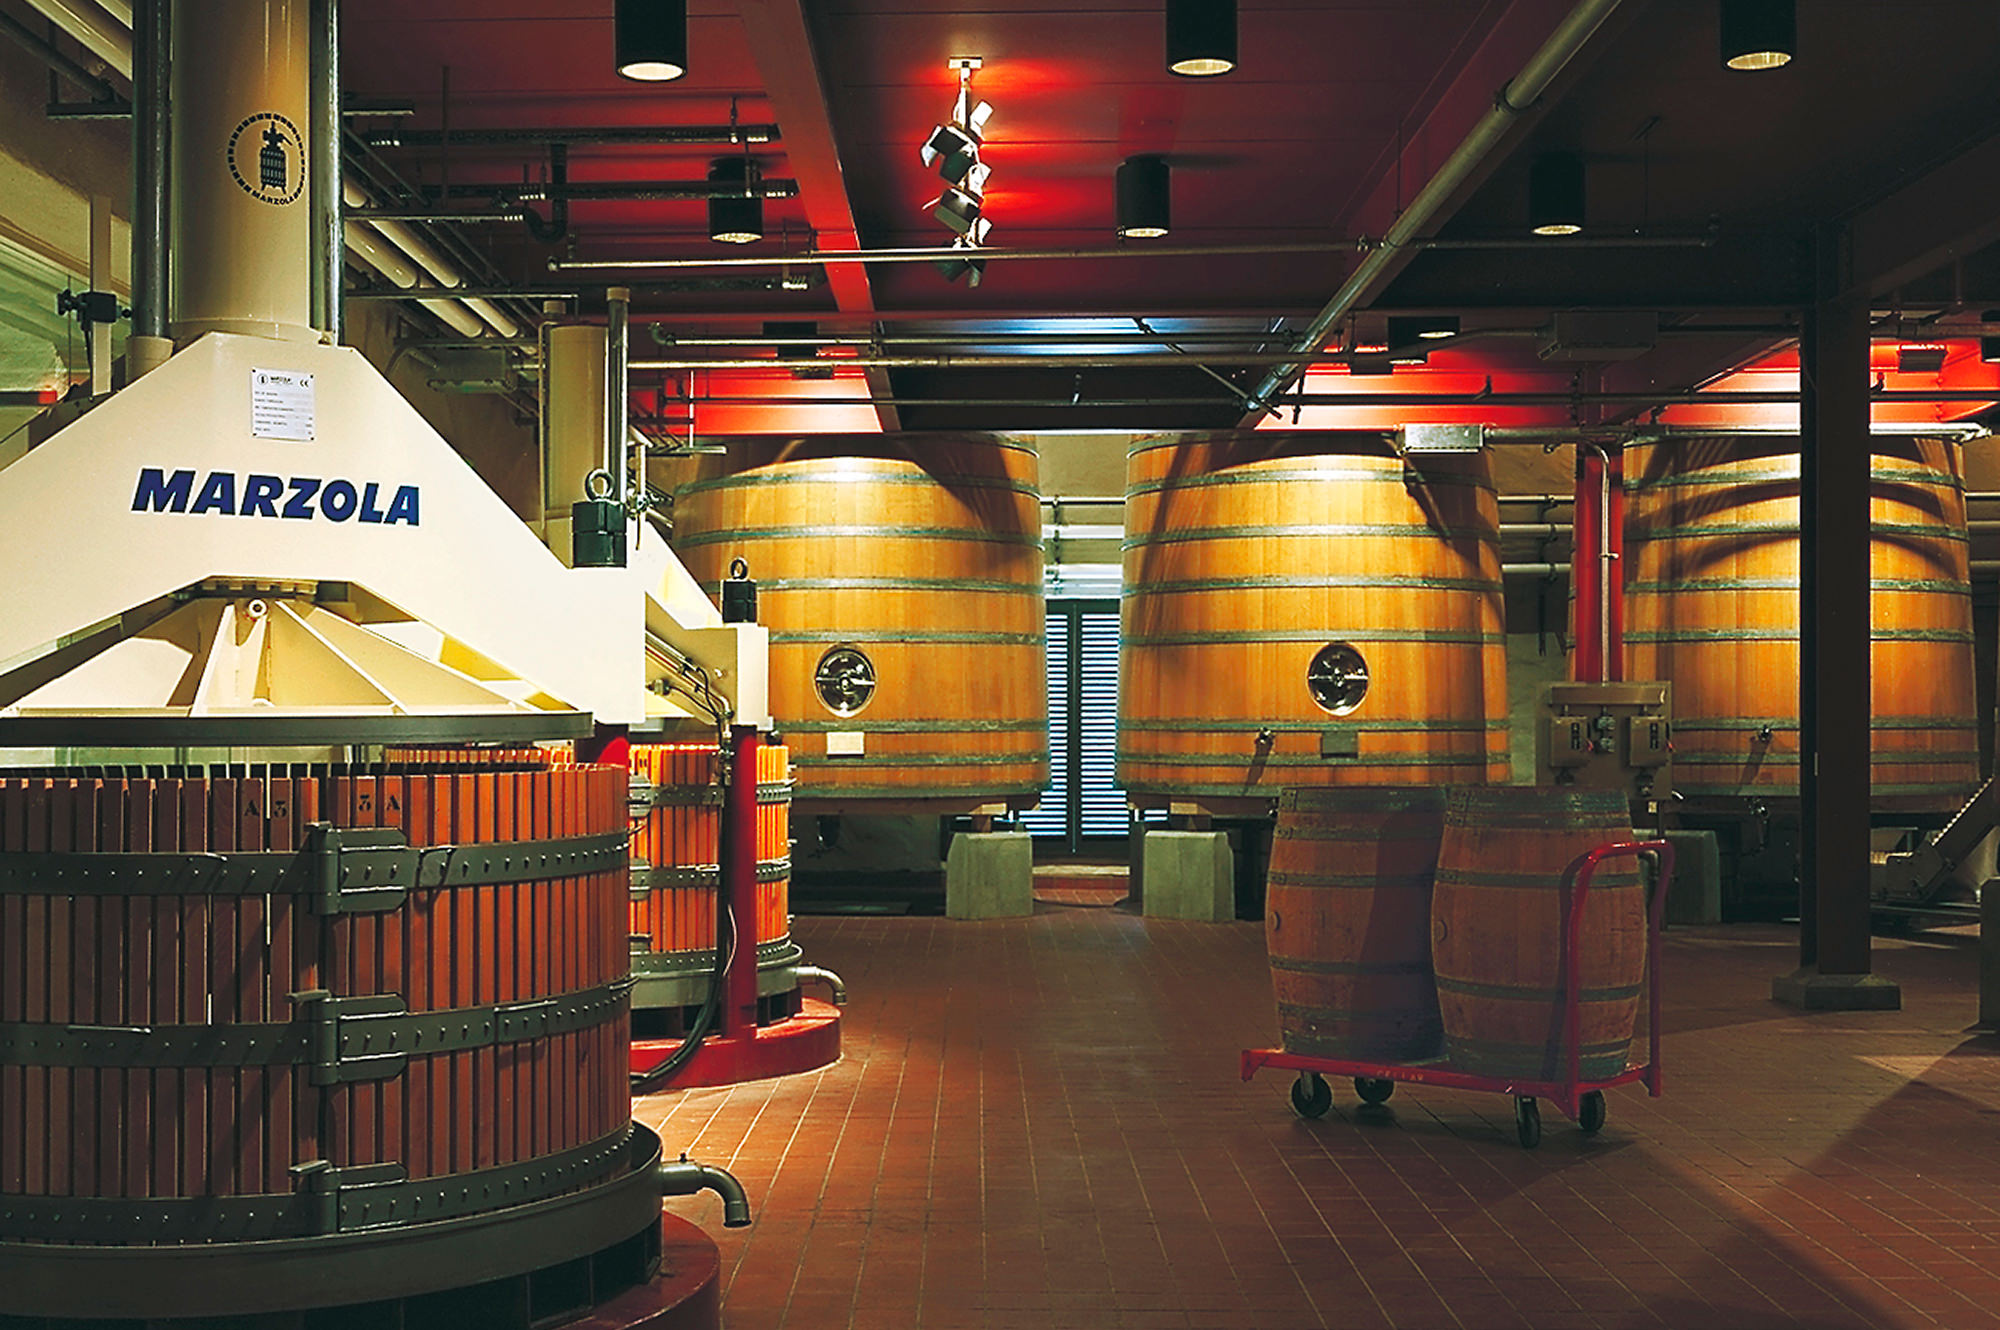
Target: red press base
[806,1042]
[687,1295]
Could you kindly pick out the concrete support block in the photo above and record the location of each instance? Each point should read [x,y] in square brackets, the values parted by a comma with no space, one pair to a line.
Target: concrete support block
[1989,955]
[989,875]
[1189,875]
[1695,894]
[1809,990]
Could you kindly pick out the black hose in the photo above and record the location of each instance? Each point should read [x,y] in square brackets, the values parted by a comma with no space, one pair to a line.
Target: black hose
[645,1082]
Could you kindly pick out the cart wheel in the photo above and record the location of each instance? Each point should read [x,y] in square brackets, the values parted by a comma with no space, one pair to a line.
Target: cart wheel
[1373,1090]
[1311,1095]
[1590,1112]
[1528,1122]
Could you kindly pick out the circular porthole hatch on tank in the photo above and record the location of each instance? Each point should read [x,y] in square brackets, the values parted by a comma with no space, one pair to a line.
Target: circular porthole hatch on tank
[1337,678]
[844,680]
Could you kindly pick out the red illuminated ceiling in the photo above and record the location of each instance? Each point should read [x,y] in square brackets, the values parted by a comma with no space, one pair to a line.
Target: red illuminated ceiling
[1336,116]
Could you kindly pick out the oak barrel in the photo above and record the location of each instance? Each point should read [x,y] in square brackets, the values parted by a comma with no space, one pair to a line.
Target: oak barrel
[1348,922]
[1305,608]
[677,821]
[1497,931]
[901,579]
[1712,595]
[234,1008]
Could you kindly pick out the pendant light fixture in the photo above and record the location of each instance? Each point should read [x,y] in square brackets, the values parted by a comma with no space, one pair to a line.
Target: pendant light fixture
[651,39]
[1759,34]
[1144,199]
[1201,37]
[735,218]
[1555,194]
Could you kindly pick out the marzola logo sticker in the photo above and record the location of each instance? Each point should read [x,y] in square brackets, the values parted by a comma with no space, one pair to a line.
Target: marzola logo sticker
[267,158]
[300,497]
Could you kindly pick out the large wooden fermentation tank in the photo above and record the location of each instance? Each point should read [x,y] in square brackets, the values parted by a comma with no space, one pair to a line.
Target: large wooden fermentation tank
[901,579]
[1712,593]
[1306,608]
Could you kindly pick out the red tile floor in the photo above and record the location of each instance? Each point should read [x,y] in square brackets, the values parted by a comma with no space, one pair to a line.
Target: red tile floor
[1038,1123]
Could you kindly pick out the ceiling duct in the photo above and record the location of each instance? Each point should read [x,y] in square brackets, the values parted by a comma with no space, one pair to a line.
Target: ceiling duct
[1601,335]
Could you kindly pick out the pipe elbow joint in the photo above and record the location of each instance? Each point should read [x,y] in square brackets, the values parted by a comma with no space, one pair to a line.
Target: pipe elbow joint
[808,974]
[684,1178]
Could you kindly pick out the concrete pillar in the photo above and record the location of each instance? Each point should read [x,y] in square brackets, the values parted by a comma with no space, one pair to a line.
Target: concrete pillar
[1189,875]
[989,875]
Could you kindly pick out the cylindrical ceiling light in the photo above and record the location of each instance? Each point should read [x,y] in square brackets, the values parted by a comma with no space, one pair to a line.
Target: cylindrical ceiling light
[1555,194]
[651,37]
[1201,37]
[735,218]
[1144,199]
[1759,34]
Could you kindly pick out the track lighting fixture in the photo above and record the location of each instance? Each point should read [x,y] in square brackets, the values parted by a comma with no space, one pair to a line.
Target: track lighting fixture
[651,39]
[733,218]
[1555,194]
[1759,34]
[1201,37]
[962,264]
[954,149]
[1144,198]
[1407,330]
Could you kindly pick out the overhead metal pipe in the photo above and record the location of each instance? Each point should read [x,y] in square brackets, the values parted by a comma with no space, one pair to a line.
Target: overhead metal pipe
[151,142]
[56,59]
[599,191]
[924,254]
[324,188]
[627,134]
[1509,103]
[104,34]
[1370,399]
[479,294]
[617,386]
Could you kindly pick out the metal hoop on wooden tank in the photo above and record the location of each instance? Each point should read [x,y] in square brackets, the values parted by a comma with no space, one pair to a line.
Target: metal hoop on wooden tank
[289,1028]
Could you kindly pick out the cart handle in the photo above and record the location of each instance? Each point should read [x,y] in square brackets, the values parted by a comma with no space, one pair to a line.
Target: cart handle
[1576,889]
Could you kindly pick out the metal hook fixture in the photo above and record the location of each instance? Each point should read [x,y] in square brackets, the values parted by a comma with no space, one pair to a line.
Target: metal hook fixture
[598,485]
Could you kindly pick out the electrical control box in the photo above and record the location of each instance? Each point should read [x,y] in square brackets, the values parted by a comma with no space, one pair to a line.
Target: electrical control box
[1607,735]
[1568,742]
[1648,741]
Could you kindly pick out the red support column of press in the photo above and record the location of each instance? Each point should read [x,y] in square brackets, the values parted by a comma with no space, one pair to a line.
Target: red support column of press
[737,910]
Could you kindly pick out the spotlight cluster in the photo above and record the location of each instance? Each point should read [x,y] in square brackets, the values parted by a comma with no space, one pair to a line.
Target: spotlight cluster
[953,148]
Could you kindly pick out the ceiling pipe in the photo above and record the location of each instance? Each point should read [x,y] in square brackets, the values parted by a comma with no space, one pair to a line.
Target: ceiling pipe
[27,37]
[1509,103]
[1670,398]
[1276,247]
[151,143]
[105,36]
[619,134]
[395,266]
[439,268]
[323,196]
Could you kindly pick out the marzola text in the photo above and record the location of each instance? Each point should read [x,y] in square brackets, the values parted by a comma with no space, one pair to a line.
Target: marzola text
[301,497]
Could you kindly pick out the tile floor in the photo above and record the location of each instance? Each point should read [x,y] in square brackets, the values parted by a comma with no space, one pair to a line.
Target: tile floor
[1038,1123]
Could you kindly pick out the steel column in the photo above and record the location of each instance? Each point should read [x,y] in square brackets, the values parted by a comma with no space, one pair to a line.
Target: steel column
[1834,697]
